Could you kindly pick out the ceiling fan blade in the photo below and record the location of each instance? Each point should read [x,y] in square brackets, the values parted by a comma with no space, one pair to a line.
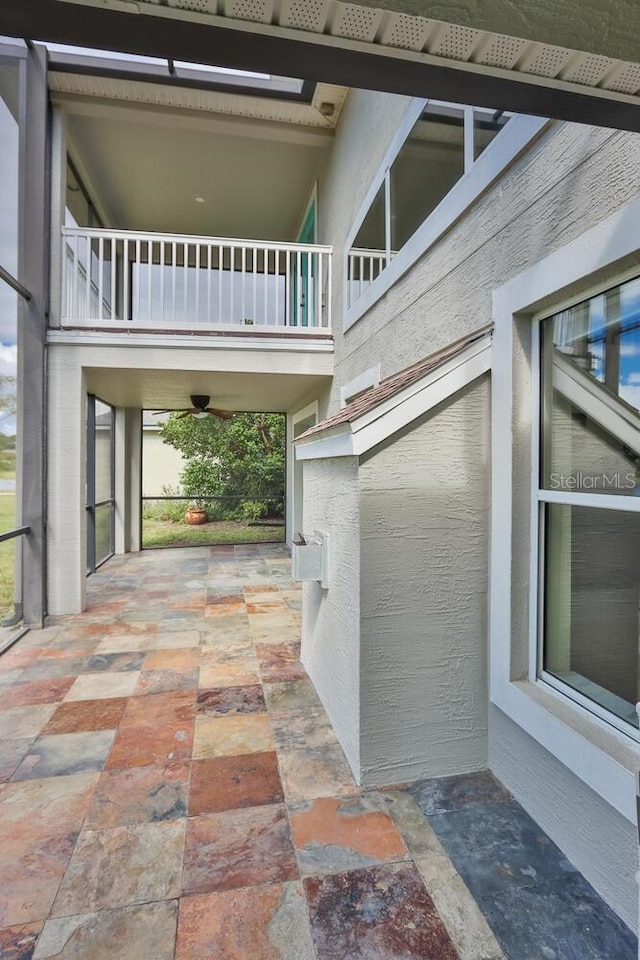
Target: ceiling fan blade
[185,413]
[223,414]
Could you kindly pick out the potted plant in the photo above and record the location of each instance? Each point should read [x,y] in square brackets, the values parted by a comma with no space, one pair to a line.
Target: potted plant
[196,512]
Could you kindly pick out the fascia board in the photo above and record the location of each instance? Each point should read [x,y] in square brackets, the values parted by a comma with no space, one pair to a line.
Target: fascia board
[356,438]
[336,443]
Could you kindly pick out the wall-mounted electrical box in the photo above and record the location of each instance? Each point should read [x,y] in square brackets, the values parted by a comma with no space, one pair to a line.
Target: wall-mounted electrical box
[310,558]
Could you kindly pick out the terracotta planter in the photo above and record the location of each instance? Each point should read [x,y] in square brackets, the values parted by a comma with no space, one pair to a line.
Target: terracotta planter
[194,517]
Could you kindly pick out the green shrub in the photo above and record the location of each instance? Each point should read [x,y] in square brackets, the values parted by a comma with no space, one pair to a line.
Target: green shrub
[252,510]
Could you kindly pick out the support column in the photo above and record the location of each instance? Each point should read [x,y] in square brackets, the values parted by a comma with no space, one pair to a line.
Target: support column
[32,326]
[134,459]
[67,467]
[58,203]
[128,479]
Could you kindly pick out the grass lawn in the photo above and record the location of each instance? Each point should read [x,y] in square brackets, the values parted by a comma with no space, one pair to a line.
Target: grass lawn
[7,553]
[167,533]
[7,464]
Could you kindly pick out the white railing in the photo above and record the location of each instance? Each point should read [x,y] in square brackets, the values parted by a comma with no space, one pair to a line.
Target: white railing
[364,266]
[121,279]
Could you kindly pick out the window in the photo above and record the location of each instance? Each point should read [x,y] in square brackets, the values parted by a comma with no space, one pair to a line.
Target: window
[590,501]
[439,150]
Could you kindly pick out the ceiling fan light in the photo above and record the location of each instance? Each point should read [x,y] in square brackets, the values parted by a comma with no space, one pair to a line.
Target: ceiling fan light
[200,415]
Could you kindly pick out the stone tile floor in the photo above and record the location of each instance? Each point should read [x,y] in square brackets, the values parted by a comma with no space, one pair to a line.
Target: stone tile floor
[172,788]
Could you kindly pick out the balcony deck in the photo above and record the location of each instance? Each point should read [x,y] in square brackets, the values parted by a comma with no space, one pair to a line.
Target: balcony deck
[119,280]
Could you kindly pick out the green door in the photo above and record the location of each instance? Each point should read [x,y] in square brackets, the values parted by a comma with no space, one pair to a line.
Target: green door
[304,301]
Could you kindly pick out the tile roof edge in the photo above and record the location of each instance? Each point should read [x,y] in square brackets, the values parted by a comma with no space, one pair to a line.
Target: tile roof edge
[377,395]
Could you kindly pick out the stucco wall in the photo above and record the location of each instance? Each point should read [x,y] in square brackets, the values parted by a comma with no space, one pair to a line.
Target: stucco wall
[423,651]
[566,181]
[331,618]
[367,126]
[597,839]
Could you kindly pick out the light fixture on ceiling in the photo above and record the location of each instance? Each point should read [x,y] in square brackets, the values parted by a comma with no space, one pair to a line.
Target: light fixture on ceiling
[199,199]
[200,415]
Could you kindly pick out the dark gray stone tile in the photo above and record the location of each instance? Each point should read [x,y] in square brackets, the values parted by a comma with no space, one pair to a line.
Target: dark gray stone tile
[495,846]
[456,793]
[558,920]
[65,754]
[111,662]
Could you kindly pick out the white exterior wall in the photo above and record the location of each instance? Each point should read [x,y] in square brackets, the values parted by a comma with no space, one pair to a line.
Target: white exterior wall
[571,178]
[367,126]
[331,618]
[66,481]
[423,650]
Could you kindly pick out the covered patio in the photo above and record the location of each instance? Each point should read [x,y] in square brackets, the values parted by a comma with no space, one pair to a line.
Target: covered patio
[172,788]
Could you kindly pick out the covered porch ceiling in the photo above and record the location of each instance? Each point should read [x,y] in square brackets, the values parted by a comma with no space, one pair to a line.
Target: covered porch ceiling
[576,60]
[189,172]
[149,389]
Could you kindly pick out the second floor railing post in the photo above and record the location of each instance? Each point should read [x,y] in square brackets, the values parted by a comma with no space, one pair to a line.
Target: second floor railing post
[122,279]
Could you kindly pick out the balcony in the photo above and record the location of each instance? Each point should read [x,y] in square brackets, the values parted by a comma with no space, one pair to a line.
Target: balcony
[163,283]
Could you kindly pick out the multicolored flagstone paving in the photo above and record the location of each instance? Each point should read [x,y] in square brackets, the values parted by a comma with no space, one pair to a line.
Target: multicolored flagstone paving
[171,789]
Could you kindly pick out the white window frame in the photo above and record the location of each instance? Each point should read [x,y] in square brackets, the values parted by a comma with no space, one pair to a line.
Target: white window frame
[593,748]
[515,136]
[540,497]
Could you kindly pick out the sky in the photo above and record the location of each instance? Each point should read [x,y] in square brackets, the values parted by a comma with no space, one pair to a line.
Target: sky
[8,241]
[629,343]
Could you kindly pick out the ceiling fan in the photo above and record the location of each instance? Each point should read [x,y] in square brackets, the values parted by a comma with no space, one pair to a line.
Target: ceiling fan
[200,409]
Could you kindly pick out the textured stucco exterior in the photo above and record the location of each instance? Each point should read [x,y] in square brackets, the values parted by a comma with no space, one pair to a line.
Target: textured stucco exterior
[331,618]
[423,650]
[396,645]
[568,180]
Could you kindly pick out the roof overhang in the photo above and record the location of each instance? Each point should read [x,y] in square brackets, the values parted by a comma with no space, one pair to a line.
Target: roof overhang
[490,58]
[357,437]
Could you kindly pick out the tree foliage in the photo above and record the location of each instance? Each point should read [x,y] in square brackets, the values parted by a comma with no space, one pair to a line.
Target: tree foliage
[241,460]
[7,397]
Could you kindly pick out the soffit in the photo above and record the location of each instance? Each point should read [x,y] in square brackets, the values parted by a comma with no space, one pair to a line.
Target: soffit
[154,389]
[474,58]
[67,85]
[459,42]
